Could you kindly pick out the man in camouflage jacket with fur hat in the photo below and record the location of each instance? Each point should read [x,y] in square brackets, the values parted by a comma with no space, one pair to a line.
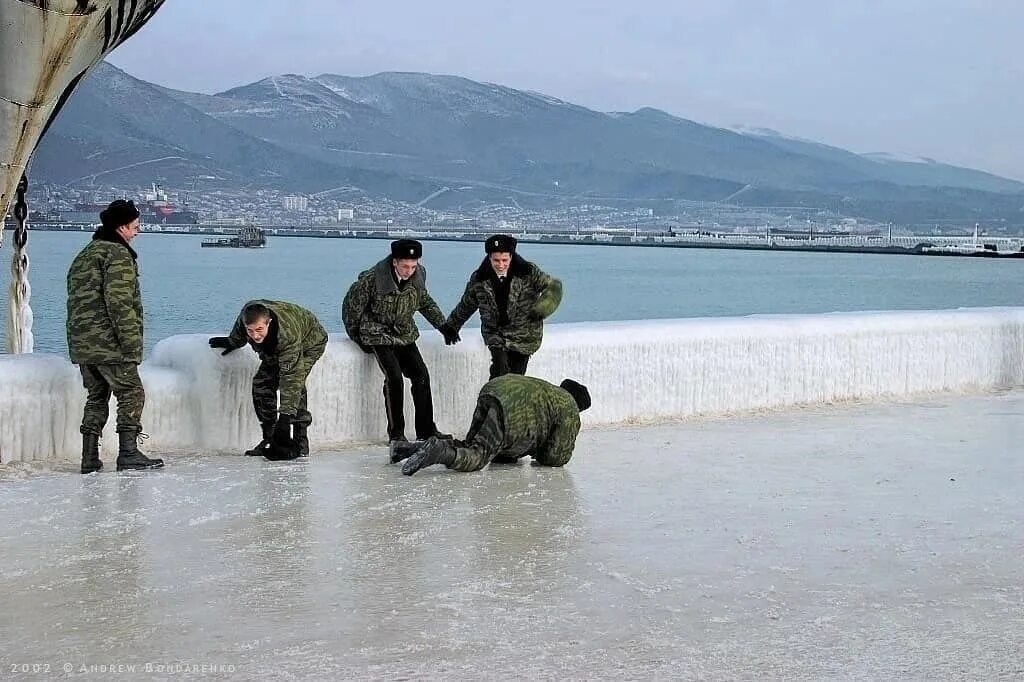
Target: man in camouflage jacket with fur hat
[514,296]
[378,315]
[288,340]
[516,416]
[104,330]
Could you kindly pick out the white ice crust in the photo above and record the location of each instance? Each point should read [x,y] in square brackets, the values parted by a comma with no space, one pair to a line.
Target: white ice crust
[197,400]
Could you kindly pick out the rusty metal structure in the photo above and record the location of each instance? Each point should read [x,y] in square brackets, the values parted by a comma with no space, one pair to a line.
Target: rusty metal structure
[46,48]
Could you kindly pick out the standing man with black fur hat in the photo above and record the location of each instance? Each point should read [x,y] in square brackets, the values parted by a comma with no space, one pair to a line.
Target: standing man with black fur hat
[514,296]
[515,417]
[104,327]
[378,315]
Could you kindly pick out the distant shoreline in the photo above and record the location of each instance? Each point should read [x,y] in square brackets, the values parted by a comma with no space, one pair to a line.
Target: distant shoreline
[922,245]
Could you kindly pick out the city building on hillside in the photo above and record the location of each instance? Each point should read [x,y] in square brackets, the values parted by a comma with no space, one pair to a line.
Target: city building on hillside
[296,203]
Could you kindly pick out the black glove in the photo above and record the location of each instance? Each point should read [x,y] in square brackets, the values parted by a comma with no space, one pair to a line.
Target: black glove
[450,335]
[222,342]
[283,430]
[282,445]
[433,451]
[404,450]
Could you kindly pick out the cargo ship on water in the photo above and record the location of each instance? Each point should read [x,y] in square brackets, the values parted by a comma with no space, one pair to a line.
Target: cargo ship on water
[973,248]
[155,208]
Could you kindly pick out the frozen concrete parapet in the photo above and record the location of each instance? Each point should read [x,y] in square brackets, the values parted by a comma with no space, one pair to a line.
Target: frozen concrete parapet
[636,371]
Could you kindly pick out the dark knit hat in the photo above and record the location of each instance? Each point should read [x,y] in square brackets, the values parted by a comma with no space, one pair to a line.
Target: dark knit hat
[406,248]
[501,243]
[120,212]
[578,392]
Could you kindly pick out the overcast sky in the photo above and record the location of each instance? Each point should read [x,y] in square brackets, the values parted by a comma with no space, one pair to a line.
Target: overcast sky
[937,78]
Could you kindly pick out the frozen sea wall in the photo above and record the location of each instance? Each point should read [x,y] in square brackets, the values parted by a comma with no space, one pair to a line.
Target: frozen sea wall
[636,371]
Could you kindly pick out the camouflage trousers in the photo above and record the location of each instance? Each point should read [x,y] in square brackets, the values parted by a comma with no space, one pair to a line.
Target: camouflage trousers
[484,439]
[123,381]
[267,381]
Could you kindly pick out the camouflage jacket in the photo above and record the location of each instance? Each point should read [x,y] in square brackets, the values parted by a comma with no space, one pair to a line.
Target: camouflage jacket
[377,313]
[540,419]
[533,295]
[104,323]
[298,333]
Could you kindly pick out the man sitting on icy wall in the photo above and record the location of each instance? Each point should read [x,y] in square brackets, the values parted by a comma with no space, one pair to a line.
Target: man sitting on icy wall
[377,312]
[104,327]
[516,416]
[289,340]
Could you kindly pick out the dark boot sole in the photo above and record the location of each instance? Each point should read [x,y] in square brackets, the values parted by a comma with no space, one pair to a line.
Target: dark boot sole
[91,470]
[139,467]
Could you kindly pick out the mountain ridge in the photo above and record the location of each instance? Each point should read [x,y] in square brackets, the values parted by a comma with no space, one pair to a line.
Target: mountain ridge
[406,134]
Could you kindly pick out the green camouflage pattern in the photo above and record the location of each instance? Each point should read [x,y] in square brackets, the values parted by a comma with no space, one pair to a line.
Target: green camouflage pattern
[484,440]
[533,296]
[265,385]
[376,313]
[301,340]
[121,379]
[104,308]
[519,416]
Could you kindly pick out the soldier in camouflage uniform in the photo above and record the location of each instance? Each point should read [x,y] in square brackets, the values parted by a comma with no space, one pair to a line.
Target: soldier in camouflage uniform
[378,315]
[104,328]
[288,340]
[513,296]
[516,416]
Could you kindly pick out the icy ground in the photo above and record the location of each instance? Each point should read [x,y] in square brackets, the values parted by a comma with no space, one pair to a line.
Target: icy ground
[873,541]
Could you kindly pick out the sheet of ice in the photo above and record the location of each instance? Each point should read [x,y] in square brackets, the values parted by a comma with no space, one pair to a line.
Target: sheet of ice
[41,401]
[851,542]
[636,372]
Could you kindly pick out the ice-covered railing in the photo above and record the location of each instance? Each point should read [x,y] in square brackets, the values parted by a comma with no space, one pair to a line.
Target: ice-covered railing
[198,400]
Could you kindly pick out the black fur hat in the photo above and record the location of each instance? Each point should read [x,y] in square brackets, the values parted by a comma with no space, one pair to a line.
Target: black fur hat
[578,392]
[120,212]
[501,243]
[406,248]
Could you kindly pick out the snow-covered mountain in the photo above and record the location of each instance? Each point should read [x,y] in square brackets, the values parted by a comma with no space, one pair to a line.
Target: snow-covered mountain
[401,133]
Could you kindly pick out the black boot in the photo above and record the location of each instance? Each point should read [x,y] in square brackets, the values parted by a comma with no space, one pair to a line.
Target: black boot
[435,434]
[261,448]
[434,451]
[128,455]
[91,453]
[301,439]
[300,429]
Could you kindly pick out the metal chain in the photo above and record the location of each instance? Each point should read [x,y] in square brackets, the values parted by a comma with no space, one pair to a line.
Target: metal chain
[21,213]
[19,327]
